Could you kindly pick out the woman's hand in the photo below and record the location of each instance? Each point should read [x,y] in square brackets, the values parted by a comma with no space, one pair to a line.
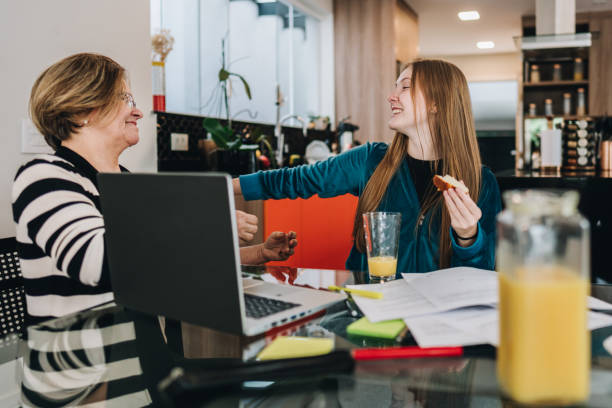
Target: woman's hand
[464,214]
[247,226]
[279,246]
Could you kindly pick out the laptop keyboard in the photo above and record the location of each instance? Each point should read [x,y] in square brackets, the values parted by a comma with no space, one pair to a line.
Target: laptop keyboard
[258,307]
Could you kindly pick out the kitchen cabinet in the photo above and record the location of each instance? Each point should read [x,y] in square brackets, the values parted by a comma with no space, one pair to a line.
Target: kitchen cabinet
[599,57]
[324,229]
[596,82]
[600,69]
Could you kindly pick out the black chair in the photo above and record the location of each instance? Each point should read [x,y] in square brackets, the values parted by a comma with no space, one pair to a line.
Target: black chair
[12,295]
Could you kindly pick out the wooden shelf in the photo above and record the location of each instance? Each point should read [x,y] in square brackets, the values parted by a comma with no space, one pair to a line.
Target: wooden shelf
[565,117]
[554,83]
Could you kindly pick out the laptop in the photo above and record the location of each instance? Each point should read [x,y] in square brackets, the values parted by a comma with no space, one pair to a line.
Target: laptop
[172,247]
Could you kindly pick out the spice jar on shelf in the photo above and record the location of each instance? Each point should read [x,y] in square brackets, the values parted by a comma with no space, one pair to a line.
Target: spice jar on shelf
[532,109]
[535,74]
[556,72]
[580,105]
[567,104]
[548,107]
[578,69]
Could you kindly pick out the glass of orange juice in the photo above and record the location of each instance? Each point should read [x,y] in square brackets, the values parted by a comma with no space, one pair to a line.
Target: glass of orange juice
[543,260]
[382,230]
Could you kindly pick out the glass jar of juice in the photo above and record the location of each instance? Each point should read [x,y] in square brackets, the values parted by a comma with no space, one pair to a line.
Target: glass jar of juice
[543,260]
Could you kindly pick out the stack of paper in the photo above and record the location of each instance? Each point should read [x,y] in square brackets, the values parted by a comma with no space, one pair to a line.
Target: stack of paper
[449,307]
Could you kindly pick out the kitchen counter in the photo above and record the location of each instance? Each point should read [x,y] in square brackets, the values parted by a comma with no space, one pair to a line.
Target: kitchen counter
[550,177]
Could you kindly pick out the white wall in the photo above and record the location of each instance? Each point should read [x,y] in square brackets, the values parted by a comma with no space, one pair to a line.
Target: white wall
[37,33]
[489,67]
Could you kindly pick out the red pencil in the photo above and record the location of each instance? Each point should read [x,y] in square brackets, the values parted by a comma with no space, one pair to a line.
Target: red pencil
[405,352]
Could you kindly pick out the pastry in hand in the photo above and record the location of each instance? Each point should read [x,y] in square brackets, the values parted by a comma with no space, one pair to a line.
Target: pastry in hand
[446,182]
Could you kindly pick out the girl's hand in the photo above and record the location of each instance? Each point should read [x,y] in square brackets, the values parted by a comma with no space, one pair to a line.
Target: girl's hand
[464,214]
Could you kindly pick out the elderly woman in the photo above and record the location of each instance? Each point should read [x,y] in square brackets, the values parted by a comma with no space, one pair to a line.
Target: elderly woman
[85,110]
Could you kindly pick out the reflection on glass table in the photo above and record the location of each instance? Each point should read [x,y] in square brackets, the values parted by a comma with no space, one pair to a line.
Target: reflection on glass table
[116,357]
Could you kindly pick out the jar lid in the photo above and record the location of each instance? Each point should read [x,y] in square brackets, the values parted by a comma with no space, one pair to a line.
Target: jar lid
[547,100]
[567,95]
[556,66]
[542,202]
[580,89]
[534,67]
[578,60]
[532,105]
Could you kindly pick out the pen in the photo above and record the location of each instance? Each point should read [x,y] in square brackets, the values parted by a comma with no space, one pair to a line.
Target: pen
[405,352]
[358,292]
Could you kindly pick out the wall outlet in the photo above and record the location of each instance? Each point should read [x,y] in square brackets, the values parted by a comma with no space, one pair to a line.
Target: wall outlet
[31,140]
[179,142]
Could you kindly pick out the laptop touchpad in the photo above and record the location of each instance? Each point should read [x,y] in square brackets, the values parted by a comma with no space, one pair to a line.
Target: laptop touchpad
[271,290]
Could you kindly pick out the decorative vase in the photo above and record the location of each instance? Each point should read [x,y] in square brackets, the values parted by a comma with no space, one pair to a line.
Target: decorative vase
[159,86]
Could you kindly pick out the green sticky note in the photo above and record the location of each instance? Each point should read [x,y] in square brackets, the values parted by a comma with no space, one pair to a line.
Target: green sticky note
[389,329]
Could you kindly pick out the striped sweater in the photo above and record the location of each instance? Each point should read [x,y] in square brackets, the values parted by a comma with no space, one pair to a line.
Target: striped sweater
[60,235]
[95,361]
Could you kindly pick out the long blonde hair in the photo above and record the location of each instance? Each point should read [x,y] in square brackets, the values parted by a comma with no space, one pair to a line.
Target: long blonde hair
[444,88]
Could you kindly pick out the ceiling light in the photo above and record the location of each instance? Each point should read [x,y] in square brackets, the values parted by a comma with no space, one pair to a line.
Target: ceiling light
[485,44]
[468,15]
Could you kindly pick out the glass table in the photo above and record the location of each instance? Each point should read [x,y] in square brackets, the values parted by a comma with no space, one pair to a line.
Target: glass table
[113,357]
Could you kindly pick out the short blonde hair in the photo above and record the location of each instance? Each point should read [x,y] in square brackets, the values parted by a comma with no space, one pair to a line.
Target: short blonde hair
[71,89]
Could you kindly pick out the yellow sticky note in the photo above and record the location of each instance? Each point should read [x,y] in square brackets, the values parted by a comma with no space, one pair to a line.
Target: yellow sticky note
[293,347]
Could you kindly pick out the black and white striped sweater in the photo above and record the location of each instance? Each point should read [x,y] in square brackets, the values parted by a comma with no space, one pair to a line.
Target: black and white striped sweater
[90,361]
[60,235]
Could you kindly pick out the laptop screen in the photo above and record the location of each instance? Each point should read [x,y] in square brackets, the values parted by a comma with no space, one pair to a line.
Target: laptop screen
[172,246]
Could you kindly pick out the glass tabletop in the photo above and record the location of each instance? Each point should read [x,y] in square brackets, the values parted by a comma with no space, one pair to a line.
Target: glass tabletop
[112,356]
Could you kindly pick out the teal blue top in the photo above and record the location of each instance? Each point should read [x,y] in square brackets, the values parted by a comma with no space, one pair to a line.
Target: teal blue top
[349,172]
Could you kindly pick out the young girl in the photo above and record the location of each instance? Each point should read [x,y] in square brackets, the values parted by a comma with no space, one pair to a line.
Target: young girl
[431,113]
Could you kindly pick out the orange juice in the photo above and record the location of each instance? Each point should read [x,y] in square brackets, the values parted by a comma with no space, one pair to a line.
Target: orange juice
[382,266]
[544,348]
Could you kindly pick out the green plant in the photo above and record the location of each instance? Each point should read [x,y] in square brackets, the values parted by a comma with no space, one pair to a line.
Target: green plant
[223,135]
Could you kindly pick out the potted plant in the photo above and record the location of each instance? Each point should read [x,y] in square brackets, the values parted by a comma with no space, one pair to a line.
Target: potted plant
[233,154]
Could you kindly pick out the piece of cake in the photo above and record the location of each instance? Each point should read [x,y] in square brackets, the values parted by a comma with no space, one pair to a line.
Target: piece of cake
[446,182]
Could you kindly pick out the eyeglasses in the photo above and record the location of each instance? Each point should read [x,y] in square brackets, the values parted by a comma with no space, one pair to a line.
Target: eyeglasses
[129,99]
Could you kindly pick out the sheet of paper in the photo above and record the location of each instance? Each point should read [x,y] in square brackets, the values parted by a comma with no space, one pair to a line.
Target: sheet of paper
[399,300]
[470,324]
[599,320]
[454,288]
[437,331]
[469,319]
[598,304]
[410,276]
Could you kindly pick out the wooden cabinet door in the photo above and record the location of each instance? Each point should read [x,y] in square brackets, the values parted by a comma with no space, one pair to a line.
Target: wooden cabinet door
[324,229]
[600,65]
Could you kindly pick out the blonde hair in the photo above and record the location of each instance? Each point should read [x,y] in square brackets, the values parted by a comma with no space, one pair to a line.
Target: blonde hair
[444,89]
[71,89]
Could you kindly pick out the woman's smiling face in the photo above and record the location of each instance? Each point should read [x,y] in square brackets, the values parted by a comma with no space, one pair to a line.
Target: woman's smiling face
[122,128]
[403,108]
